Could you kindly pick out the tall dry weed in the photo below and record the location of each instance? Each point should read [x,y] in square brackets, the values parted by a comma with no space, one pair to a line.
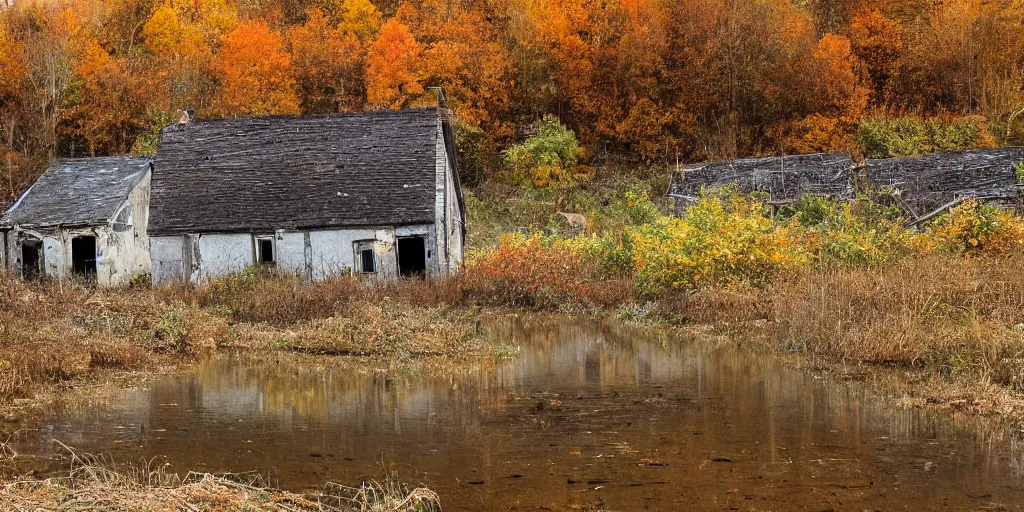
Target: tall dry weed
[957,315]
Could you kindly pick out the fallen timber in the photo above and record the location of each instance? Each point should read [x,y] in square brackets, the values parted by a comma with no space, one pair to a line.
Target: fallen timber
[930,183]
[784,178]
[923,187]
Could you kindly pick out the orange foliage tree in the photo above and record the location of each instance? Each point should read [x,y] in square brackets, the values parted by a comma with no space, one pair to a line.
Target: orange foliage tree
[668,81]
[111,106]
[838,100]
[327,64]
[462,53]
[255,73]
[13,73]
[878,43]
[394,67]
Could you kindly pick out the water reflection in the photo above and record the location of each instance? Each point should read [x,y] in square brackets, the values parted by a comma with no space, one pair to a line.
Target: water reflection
[587,411]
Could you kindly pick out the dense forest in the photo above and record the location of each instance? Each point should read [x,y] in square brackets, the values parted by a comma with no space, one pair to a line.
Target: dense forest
[656,80]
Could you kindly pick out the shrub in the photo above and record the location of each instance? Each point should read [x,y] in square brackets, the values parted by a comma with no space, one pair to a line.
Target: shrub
[857,233]
[973,228]
[542,272]
[724,239]
[885,137]
[547,159]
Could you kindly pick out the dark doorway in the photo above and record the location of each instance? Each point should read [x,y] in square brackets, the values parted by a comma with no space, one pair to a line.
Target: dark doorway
[83,256]
[412,256]
[31,259]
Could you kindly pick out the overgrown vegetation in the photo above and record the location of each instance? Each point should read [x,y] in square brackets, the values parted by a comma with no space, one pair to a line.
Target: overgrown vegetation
[97,483]
[885,137]
[839,281]
[51,332]
[729,239]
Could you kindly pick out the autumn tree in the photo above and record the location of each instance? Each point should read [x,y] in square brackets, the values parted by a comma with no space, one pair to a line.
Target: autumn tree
[255,73]
[394,67]
[110,108]
[837,102]
[182,58]
[13,73]
[463,54]
[361,18]
[878,43]
[328,66]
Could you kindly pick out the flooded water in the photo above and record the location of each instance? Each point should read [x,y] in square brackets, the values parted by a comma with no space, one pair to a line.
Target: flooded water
[586,414]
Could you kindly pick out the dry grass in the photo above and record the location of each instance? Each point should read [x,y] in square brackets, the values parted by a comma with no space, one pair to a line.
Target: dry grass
[97,484]
[52,332]
[955,316]
[952,318]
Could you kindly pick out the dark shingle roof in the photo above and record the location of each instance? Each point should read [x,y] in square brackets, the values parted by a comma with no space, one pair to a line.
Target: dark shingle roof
[784,178]
[931,181]
[260,174]
[78,191]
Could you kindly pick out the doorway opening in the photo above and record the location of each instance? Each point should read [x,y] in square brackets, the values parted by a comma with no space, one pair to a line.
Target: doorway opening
[31,259]
[412,256]
[83,256]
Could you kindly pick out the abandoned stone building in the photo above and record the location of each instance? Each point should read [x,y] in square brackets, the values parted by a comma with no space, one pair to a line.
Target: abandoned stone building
[84,218]
[376,194]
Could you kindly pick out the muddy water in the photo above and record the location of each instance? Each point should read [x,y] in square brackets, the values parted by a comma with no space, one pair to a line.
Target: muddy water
[587,413]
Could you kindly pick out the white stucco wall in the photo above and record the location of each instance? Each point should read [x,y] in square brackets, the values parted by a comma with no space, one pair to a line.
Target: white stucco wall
[222,254]
[123,247]
[328,253]
[448,236]
[438,266]
[5,250]
[53,255]
[291,252]
[333,251]
[166,252]
[453,223]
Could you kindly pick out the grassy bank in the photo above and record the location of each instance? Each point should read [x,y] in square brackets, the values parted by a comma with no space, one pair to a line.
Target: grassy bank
[935,315]
[93,483]
[59,335]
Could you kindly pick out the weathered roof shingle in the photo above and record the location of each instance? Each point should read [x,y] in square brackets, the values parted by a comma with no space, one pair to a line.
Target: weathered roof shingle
[81,191]
[784,178]
[931,181]
[261,174]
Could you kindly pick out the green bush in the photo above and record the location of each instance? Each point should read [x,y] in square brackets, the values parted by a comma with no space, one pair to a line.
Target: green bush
[885,137]
[548,159]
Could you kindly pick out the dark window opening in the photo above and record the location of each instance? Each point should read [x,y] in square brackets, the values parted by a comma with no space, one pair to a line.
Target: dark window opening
[412,256]
[31,259]
[83,256]
[367,262]
[265,250]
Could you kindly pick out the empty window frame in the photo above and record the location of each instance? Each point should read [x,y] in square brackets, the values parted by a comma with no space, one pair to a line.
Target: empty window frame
[266,250]
[365,257]
[83,256]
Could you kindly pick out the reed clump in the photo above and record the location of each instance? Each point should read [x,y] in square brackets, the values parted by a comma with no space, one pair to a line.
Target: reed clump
[95,483]
[956,316]
[52,332]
